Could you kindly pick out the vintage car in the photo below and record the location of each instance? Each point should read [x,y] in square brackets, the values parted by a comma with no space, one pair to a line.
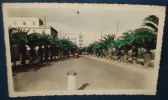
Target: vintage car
[76,55]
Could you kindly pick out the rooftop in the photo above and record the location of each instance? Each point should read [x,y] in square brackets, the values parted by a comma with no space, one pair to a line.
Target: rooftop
[23,18]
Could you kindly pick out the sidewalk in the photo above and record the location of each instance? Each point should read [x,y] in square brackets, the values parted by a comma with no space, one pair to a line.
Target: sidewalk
[137,67]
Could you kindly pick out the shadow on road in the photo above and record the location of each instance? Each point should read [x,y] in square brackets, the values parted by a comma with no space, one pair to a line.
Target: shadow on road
[83,86]
[28,68]
[35,67]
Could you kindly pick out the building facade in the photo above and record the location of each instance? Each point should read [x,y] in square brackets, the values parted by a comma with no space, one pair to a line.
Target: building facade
[32,25]
[74,37]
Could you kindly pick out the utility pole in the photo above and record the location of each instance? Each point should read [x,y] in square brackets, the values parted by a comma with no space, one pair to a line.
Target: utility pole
[101,36]
[117,28]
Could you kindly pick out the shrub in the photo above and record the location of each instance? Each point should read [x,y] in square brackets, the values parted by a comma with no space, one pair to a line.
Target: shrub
[153,55]
[141,53]
[129,54]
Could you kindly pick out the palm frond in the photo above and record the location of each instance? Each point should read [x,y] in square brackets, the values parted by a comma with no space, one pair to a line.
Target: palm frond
[152,18]
[108,40]
[154,27]
[152,21]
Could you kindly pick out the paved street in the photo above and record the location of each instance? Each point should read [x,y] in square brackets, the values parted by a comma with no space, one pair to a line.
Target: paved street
[92,74]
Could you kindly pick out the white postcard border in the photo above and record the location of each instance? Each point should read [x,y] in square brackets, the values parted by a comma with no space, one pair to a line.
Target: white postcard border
[151,91]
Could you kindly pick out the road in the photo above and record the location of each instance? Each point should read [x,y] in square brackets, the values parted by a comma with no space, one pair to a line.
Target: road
[92,74]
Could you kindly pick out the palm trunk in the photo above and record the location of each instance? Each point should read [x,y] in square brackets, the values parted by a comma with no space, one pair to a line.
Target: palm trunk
[15,54]
[147,58]
[125,57]
[23,53]
[97,53]
[40,53]
[51,52]
[110,50]
[46,52]
[134,54]
[94,53]
[104,53]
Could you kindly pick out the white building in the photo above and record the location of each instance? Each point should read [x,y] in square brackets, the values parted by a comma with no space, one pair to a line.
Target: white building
[74,37]
[25,22]
[34,25]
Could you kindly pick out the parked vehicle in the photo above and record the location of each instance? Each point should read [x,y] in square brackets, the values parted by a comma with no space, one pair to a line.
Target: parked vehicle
[76,55]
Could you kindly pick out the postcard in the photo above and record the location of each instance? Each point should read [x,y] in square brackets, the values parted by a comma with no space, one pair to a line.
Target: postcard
[82,49]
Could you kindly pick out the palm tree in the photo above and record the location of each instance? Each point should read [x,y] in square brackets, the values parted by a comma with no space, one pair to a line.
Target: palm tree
[146,39]
[149,39]
[89,48]
[123,46]
[18,39]
[109,40]
[33,41]
[66,47]
[131,43]
[41,41]
[49,47]
[51,42]
[98,47]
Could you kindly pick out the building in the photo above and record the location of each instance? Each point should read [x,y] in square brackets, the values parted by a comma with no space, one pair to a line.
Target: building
[32,25]
[54,32]
[74,37]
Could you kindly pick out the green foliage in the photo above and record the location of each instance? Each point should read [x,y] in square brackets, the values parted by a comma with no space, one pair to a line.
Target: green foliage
[108,40]
[152,21]
[152,18]
[123,44]
[154,27]
[18,37]
[66,44]
[145,38]
[96,46]
[34,39]
[82,50]
[48,40]
[141,53]
[153,55]
[129,54]
[138,38]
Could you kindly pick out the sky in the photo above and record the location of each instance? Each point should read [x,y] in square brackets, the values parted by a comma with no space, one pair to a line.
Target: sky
[91,21]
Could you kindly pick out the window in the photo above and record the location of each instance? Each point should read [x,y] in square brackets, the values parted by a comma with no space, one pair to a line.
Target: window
[34,23]
[24,23]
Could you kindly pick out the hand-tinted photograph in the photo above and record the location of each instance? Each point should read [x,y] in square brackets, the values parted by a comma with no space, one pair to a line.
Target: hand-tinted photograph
[82,49]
